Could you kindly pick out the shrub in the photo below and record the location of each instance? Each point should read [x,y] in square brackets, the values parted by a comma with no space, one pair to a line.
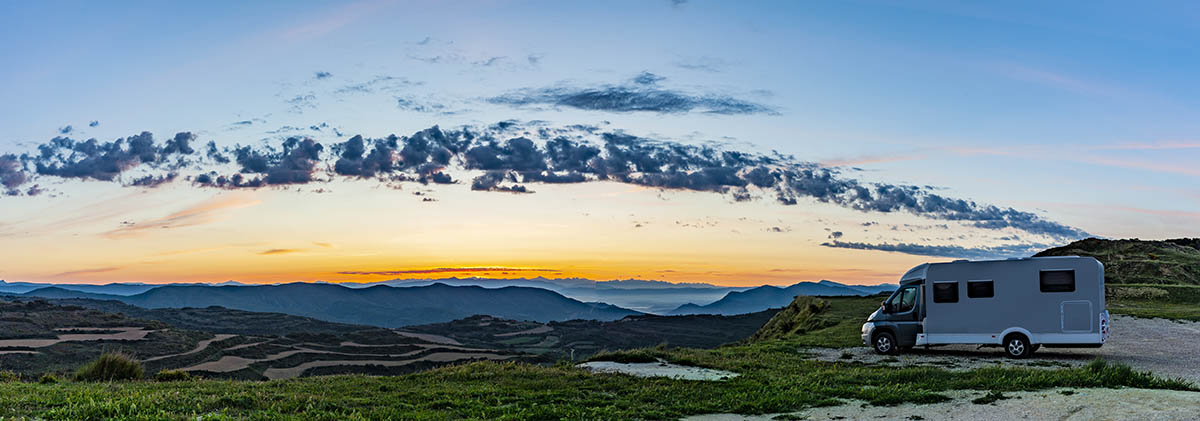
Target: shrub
[8,376]
[172,376]
[110,366]
[48,379]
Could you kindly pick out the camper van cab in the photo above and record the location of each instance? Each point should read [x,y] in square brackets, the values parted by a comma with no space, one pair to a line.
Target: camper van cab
[1018,304]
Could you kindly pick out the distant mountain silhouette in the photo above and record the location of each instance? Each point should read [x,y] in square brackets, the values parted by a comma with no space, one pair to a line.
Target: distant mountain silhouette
[765,297]
[383,306]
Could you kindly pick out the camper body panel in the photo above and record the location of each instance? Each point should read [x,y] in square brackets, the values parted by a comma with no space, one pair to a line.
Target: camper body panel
[1017,302]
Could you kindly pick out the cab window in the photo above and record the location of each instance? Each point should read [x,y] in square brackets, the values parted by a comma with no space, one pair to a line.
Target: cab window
[904,300]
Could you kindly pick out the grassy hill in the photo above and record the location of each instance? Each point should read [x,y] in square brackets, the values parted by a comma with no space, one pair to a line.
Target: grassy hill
[1133,261]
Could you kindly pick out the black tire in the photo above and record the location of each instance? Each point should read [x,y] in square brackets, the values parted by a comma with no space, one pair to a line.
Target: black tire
[884,343]
[1017,346]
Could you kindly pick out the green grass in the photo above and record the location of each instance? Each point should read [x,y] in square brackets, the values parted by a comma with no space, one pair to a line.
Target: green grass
[835,324]
[1176,302]
[110,366]
[775,377]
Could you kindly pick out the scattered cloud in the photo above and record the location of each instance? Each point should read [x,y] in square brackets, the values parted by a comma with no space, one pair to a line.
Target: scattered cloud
[446,270]
[200,213]
[84,272]
[950,251]
[703,64]
[65,129]
[641,94]
[322,75]
[94,123]
[273,252]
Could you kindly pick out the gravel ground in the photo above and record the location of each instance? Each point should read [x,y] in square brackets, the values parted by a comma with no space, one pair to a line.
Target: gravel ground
[1056,404]
[659,369]
[1166,348]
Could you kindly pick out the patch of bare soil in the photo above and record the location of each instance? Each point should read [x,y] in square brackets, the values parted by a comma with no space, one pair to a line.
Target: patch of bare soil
[429,337]
[534,331]
[1056,404]
[123,334]
[202,345]
[291,372]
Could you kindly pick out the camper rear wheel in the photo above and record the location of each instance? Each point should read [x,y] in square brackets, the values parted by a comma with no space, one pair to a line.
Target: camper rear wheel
[1017,345]
[884,343]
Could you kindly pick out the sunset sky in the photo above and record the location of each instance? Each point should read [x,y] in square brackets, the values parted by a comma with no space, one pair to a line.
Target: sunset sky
[725,142]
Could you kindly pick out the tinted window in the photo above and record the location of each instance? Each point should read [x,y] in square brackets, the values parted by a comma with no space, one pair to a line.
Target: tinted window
[1058,281]
[980,289]
[945,292]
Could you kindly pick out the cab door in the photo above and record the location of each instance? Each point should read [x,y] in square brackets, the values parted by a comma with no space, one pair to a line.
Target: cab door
[906,305]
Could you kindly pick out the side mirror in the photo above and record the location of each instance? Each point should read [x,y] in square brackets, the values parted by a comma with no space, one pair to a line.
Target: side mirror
[885,306]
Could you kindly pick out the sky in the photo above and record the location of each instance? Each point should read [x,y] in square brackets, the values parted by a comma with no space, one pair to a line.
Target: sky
[688,141]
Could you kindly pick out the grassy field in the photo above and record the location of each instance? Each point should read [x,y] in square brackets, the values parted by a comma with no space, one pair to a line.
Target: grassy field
[1177,302]
[776,377]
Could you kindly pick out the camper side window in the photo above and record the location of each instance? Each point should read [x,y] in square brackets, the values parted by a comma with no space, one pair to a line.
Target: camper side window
[945,292]
[980,289]
[1058,281]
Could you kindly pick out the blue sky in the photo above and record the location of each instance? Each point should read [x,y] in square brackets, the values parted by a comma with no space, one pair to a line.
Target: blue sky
[1081,114]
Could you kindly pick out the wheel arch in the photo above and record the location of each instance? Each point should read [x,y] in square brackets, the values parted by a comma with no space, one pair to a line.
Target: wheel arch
[1012,330]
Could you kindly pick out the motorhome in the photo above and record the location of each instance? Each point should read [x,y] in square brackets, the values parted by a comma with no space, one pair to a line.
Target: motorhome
[1018,304]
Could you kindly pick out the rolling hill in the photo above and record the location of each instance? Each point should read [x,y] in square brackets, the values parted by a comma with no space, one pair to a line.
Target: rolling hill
[1134,261]
[382,306]
[764,297]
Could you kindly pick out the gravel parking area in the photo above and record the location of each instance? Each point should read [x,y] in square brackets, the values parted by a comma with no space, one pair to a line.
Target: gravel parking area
[1169,349]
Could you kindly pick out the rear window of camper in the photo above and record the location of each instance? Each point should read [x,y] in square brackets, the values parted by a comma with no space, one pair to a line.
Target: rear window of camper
[980,289]
[1058,281]
[945,292]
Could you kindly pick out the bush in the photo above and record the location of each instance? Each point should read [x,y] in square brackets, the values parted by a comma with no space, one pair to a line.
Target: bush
[110,366]
[8,377]
[172,376]
[48,379]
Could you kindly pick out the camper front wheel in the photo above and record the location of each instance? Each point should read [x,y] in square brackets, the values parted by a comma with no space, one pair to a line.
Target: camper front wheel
[1017,346]
[885,343]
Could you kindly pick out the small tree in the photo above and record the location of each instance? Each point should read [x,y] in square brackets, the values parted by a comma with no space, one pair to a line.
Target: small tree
[110,366]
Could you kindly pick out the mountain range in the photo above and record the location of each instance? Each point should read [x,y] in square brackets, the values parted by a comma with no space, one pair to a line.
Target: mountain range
[380,305]
[764,297]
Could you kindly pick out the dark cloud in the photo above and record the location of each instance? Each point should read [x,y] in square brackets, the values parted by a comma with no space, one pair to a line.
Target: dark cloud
[642,94]
[295,164]
[508,155]
[67,158]
[835,234]
[152,180]
[322,75]
[65,129]
[12,174]
[647,78]
[949,251]
[94,123]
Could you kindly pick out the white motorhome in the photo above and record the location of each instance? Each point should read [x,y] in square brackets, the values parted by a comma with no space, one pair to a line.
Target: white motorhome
[1019,304]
